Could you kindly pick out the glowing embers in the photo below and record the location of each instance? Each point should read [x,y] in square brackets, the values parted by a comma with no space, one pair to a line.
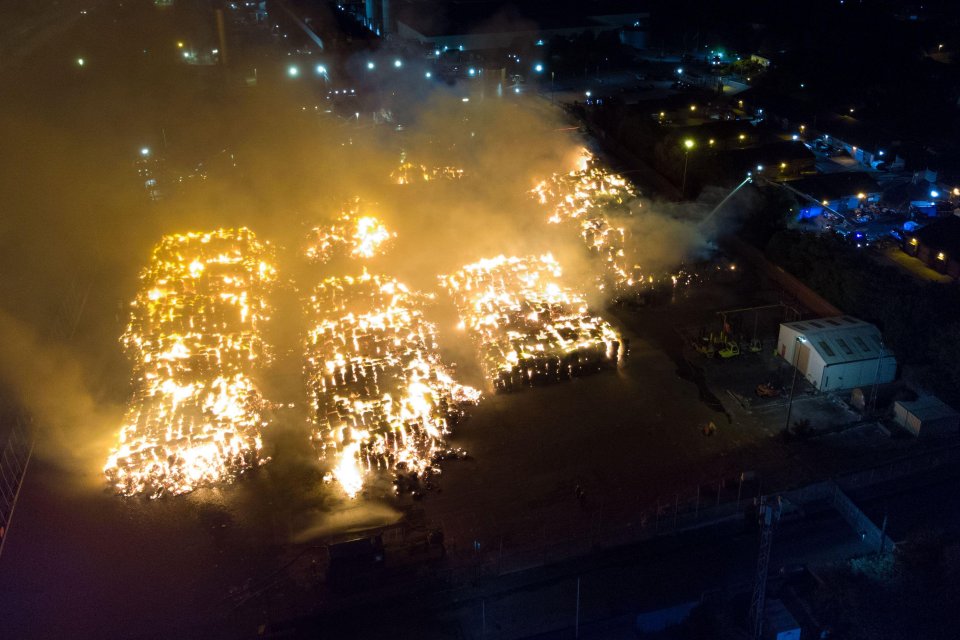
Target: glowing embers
[588,198]
[382,398]
[409,173]
[528,326]
[352,234]
[194,337]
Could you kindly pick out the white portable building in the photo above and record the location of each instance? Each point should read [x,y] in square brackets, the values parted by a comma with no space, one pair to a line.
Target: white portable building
[837,353]
[929,414]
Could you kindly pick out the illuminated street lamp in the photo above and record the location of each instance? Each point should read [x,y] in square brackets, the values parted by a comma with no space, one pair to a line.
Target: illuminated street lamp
[538,68]
[861,196]
[687,147]
[321,70]
[934,193]
[145,151]
[80,62]
[293,71]
[398,63]
[371,66]
[793,383]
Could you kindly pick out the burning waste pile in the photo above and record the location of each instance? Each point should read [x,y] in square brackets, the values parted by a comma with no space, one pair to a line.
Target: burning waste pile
[353,234]
[600,205]
[382,398]
[587,197]
[194,338]
[529,328]
[409,173]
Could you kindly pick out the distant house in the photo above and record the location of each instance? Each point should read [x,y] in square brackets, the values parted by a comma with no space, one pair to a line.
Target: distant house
[937,245]
[837,353]
[835,192]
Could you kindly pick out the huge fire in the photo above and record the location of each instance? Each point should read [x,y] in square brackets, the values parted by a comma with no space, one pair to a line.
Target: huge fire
[354,234]
[587,197]
[194,338]
[381,396]
[528,326]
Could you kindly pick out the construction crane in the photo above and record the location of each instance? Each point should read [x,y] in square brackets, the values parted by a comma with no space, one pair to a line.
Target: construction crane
[768,516]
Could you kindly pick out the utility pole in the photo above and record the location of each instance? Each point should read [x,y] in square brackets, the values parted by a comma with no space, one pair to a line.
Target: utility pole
[793,383]
[768,516]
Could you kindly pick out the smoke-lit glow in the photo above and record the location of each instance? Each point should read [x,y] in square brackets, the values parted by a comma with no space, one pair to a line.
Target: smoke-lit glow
[194,338]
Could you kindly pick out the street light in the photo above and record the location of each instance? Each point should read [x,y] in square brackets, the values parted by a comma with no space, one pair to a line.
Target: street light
[538,68]
[687,146]
[793,383]
[293,71]
[371,66]
[321,70]
[398,63]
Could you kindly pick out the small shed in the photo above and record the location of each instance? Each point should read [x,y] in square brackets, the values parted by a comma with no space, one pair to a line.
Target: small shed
[779,623]
[929,415]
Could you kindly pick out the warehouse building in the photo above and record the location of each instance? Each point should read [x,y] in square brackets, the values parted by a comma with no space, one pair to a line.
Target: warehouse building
[837,353]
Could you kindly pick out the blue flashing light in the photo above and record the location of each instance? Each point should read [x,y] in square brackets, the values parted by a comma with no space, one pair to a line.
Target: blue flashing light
[934,193]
